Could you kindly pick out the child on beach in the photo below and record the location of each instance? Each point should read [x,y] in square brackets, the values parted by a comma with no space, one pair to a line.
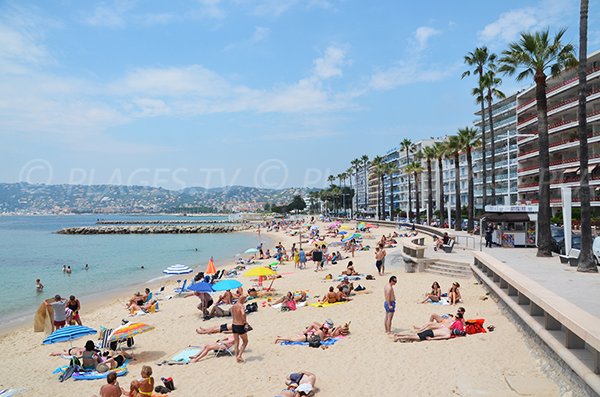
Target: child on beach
[39,287]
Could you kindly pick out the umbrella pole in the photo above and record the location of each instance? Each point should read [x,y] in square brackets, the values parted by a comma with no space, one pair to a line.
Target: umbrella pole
[270,285]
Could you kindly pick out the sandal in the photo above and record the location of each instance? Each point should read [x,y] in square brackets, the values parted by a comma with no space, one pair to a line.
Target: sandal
[491,328]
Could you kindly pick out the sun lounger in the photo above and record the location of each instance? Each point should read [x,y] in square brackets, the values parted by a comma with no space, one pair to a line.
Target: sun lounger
[182,289]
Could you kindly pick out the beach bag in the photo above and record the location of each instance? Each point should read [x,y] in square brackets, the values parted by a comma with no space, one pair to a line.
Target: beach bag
[314,341]
[475,326]
[251,307]
[369,277]
[291,305]
[168,382]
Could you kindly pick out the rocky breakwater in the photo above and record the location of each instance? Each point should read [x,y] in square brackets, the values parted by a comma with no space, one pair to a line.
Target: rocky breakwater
[163,229]
[163,222]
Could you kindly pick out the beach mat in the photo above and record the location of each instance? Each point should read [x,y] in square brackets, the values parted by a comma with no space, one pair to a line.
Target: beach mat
[278,306]
[326,304]
[182,357]
[328,342]
[92,375]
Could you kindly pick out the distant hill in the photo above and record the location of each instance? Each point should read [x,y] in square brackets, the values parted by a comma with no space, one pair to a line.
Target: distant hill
[39,198]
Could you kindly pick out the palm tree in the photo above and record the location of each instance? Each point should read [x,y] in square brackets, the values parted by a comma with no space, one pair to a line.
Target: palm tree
[490,81]
[365,164]
[355,168]
[481,58]
[454,146]
[416,169]
[440,154]
[392,168]
[586,258]
[536,54]
[408,147]
[430,154]
[331,180]
[469,141]
[479,94]
[379,172]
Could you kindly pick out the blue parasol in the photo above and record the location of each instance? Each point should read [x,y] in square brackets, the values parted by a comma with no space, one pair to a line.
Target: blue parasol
[226,285]
[201,287]
[68,333]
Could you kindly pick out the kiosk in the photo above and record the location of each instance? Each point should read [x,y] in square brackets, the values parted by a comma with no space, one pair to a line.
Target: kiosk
[514,225]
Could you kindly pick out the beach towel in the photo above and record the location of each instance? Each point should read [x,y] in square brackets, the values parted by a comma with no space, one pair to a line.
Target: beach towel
[442,301]
[328,342]
[183,356]
[298,304]
[351,278]
[326,304]
[475,326]
[89,375]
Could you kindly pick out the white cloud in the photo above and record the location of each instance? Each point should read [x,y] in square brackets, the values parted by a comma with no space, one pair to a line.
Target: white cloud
[210,9]
[110,15]
[260,33]
[330,64]
[273,8]
[408,72]
[156,19]
[423,34]
[510,24]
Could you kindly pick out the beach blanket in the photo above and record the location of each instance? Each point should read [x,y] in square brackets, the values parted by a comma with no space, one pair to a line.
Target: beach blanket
[443,301]
[326,304]
[475,326]
[89,375]
[351,278]
[182,357]
[328,342]
[298,304]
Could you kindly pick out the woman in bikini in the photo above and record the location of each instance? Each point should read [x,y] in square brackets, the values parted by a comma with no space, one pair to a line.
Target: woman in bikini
[217,346]
[435,294]
[144,386]
[454,294]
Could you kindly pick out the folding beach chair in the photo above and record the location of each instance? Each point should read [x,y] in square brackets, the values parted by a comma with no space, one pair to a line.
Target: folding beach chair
[224,351]
[182,289]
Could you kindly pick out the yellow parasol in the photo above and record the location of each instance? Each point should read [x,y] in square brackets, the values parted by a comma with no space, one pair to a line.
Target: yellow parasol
[259,272]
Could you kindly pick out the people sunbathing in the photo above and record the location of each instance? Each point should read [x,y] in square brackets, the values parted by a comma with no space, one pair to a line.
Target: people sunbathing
[428,334]
[350,270]
[315,329]
[437,320]
[219,311]
[144,386]
[435,294]
[219,345]
[138,298]
[146,307]
[301,383]
[223,329]
[330,297]
[346,286]
[341,296]
[454,294]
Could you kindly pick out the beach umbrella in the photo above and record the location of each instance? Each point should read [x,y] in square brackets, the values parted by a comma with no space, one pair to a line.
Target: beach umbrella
[201,287]
[225,285]
[336,244]
[251,251]
[128,330]
[260,272]
[211,269]
[372,226]
[346,227]
[343,232]
[273,264]
[178,269]
[68,333]
[314,227]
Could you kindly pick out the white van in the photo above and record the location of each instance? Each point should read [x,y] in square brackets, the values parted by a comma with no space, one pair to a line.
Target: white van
[596,250]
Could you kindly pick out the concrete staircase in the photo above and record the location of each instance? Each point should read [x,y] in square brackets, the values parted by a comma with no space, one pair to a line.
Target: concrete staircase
[449,268]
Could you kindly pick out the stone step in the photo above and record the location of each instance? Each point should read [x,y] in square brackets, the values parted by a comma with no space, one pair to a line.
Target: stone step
[449,271]
[452,266]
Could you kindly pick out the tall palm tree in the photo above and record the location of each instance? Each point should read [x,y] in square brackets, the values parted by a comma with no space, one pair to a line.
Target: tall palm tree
[429,155]
[365,164]
[331,180]
[355,168]
[392,168]
[416,169]
[409,147]
[479,94]
[469,141]
[480,59]
[440,154]
[491,82]
[379,172]
[454,146]
[536,53]
[586,258]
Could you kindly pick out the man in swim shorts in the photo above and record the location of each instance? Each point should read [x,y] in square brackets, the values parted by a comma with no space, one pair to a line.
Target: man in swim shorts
[238,327]
[389,303]
[223,329]
[428,334]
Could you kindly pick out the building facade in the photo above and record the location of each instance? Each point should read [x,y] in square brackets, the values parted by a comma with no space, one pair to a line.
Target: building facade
[563,137]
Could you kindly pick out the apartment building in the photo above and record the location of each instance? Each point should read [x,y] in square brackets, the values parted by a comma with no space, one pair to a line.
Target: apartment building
[563,137]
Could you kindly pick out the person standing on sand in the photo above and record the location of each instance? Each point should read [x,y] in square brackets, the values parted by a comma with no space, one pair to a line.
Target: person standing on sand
[383,255]
[379,256]
[60,315]
[390,303]
[238,328]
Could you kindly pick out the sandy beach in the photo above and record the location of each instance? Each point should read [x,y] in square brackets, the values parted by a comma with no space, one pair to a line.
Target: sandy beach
[366,363]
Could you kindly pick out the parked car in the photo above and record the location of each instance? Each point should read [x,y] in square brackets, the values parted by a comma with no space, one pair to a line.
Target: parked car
[558,240]
[596,250]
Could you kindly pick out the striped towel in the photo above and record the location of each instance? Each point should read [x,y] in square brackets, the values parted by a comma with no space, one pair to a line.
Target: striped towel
[105,344]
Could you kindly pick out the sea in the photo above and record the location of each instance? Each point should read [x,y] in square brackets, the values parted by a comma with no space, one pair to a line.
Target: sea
[30,249]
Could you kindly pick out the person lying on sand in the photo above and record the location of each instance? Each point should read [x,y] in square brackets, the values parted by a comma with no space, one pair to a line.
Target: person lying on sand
[73,351]
[112,362]
[428,334]
[300,383]
[438,321]
[223,329]
[219,345]
[138,298]
[253,293]
[219,311]
[145,307]
[226,298]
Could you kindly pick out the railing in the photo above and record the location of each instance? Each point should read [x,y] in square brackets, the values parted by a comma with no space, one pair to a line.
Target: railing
[560,124]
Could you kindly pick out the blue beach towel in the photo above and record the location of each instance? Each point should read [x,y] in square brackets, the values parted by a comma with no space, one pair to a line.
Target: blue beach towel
[328,342]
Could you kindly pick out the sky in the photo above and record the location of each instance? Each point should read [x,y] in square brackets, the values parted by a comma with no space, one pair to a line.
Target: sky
[264,93]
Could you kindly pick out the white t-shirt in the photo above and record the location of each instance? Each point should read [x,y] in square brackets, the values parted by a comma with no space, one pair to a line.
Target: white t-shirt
[59,311]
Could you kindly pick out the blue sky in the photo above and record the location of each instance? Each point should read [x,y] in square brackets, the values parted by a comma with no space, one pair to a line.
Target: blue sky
[270,93]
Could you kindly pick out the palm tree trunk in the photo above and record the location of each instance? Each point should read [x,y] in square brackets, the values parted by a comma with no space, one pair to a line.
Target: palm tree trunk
[471,209]
[382,216]
[544,236]
[429,193]
[392,196]
[441,192]
[458,216]
[366,186]
[586,259]
[409,215]
[492,147]
[483,154]
[417,201]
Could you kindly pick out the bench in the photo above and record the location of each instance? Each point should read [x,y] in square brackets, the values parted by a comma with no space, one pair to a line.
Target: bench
[414,250]
[448,247]
[572,258]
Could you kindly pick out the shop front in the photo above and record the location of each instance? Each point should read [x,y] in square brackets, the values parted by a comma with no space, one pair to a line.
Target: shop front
[511,225]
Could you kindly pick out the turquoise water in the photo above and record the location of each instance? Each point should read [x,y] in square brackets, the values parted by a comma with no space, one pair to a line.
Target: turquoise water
[30,249]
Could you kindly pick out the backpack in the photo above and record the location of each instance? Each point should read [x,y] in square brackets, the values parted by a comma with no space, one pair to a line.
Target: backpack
[314,341]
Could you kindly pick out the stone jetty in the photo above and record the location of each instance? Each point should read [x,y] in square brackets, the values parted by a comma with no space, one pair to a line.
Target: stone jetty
[162,229]
[163,222]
